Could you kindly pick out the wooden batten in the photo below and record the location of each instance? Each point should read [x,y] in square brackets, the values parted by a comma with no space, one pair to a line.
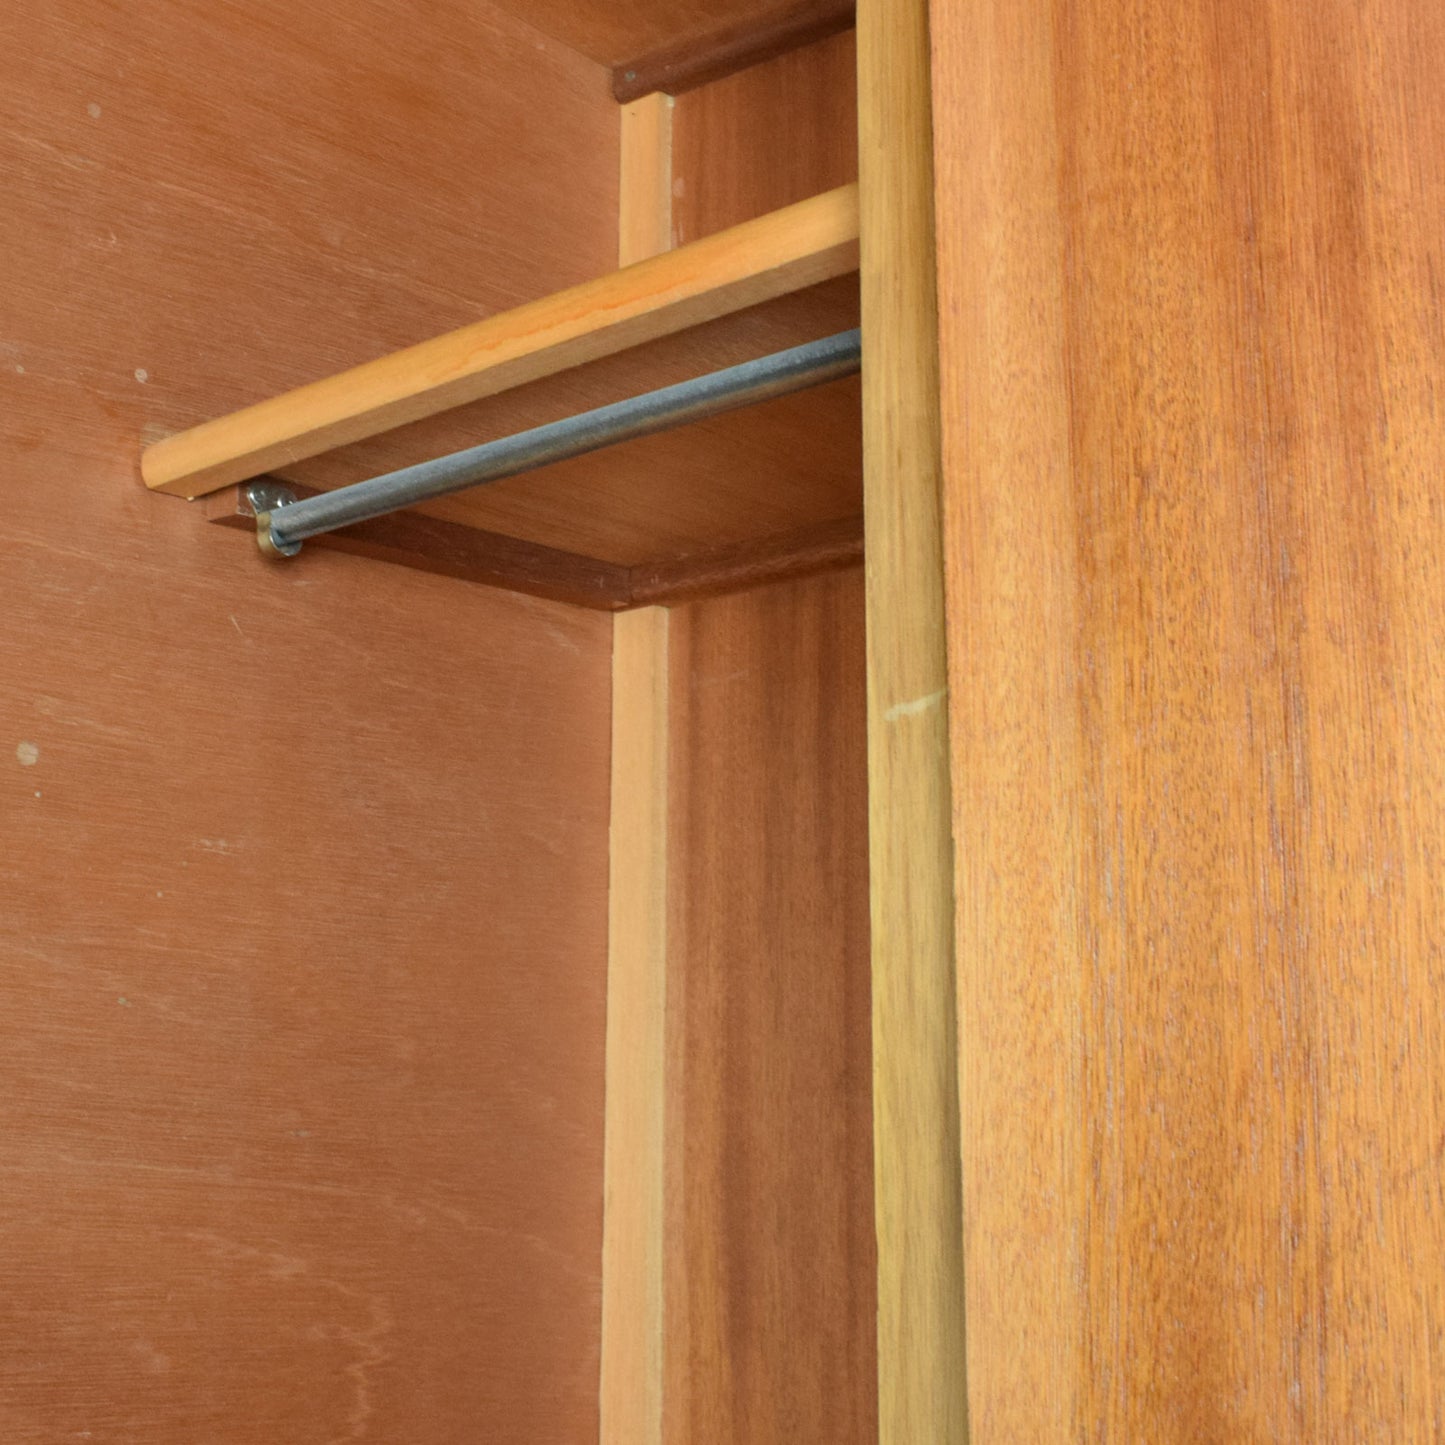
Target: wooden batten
[632,1238]
[635,1162]
[615,34]
[644,203]
[492,559]
[686,65]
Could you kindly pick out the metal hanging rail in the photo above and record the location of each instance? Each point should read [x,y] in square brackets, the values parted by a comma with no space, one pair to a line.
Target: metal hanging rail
[284,526]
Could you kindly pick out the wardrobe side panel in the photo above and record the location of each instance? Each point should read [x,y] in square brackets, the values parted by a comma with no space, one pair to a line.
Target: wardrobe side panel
[764,138]
[770,1261]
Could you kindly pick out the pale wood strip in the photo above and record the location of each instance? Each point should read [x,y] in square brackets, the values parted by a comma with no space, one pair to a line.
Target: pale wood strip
[922,1387]
[644,218]
[634,1171]
[789,250]
[632,1246]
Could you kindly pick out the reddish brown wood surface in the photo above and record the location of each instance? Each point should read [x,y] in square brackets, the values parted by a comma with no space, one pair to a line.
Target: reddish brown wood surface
[770,1297]
[1194,382]
[314,217]
[765,138]
[303,942]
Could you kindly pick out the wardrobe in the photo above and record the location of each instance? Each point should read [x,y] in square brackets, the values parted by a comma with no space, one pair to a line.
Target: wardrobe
[901,909]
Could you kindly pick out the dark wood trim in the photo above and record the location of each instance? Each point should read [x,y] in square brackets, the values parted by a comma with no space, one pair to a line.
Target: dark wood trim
[450,549]
[737,47]
[430,544]
[823,548]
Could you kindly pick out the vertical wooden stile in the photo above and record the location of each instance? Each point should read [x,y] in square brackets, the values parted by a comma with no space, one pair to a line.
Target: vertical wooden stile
[644,219]
[918,1190]
[632,1249]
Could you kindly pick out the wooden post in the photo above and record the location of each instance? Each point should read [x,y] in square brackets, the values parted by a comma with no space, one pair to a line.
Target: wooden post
[633,1225]
[922,1388]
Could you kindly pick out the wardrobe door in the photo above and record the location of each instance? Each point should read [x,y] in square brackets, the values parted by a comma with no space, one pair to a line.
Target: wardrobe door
[1191,258]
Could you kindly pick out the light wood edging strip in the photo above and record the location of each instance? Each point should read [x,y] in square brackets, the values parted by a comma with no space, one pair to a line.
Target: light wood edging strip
[633,1224]
[632,1233]
[921,1386]
[644,209]
[789,250]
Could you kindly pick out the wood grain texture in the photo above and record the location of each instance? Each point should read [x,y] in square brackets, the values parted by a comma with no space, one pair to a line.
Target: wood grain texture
[634,1240]
[304,932]
[742,46]
[765,138]
[774,256]
[921,1342]
[1193,364]
[770,1260]
[615,32]
[254,1005]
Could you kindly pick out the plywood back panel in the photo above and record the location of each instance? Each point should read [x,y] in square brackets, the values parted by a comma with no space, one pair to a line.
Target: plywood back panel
[1194,366]
[770,1297]
[304,937]
[369,183]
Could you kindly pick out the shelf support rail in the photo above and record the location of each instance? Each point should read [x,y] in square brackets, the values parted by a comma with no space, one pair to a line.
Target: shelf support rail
[283,527]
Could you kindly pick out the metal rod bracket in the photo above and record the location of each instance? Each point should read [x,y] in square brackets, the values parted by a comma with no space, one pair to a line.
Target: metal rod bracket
[264,498]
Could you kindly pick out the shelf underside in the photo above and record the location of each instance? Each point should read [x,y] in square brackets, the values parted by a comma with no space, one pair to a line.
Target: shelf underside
[769,469]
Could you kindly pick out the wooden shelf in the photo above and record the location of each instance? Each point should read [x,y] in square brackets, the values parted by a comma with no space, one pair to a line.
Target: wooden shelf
[773,471]
[731,272]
